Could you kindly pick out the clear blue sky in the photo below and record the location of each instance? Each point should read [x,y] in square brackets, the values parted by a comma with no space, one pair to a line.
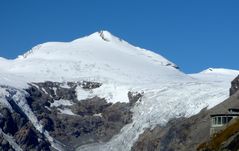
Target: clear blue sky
[194,34]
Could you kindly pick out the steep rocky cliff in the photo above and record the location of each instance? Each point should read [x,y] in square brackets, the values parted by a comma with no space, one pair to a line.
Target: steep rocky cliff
[69,121]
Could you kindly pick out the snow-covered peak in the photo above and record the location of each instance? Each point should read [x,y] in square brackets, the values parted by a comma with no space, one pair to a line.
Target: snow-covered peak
[101,42]
[101,36]
[97,42]
[106,36]
[98,56]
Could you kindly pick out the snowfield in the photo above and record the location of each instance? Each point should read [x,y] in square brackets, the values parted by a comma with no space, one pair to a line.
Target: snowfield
[120,67]
[92,58]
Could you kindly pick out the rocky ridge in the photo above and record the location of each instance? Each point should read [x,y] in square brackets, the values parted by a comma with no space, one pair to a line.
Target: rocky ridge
[60,112]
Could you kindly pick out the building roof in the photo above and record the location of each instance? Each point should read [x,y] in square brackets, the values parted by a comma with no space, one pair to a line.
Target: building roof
[214,115]
[233,109]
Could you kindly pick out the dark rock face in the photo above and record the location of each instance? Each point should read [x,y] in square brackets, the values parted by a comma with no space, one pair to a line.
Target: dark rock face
[134,97]
[4,145]
[71,124]
[7,123]
[90,107]
[22,131]
[176,135]
[234,86]
[26,137]
[91,120]
[149,140]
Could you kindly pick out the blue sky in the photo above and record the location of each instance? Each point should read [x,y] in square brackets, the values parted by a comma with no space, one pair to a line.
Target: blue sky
[194,34]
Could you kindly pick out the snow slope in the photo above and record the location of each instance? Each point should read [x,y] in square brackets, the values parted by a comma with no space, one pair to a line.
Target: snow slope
[216,75]
[99,57]
[121,67]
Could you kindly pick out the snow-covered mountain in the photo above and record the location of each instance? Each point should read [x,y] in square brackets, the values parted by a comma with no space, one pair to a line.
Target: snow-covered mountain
[100,56]
[120,68]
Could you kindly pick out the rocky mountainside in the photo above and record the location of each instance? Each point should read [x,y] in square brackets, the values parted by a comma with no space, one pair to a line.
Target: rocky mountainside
[57,109]
[101,93]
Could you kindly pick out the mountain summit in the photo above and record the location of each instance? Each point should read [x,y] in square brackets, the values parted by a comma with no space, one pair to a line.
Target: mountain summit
[106,36]
[100,56]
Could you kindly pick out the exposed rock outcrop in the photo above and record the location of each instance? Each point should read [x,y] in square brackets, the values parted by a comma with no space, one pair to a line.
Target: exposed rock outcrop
[84,121]
[234,86]
[4,144]
[20,128]
[134,97]
[70,121]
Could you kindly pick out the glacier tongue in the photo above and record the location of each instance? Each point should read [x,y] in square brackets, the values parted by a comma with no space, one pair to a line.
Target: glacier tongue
[160,105]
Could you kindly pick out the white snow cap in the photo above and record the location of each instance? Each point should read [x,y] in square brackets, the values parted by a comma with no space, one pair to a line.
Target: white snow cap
[100,56]
[102,35]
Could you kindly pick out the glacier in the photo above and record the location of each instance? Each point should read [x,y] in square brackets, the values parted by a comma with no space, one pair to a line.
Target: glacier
[120,67]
